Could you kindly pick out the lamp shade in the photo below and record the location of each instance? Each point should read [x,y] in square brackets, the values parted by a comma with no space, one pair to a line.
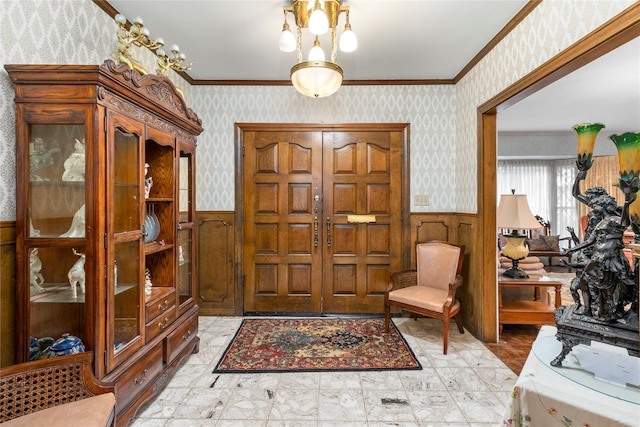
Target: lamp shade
[287,41]
[628,145]
[316,78]
[514,213]
[587,133]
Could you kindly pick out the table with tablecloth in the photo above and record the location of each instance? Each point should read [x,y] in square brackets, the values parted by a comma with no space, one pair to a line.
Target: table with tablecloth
[545,395]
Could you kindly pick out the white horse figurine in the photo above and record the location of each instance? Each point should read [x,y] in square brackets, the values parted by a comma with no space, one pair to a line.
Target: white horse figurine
[35,265]
[76,274]
[77,225]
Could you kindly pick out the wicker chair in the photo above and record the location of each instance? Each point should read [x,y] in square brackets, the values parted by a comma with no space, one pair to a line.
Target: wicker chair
[56,392]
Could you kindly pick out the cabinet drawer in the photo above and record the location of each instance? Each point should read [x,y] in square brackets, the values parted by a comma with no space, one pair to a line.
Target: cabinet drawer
[160,323]
[142,373]
[159,303]
[177,340]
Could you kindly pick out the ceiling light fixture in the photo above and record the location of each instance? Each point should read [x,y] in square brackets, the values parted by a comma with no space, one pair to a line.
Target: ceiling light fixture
[317,77]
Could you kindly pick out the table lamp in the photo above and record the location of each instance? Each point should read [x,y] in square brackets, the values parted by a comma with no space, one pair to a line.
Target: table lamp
[514,214]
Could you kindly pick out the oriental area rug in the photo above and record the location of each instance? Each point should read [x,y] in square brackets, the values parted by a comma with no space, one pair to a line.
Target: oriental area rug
[316,344]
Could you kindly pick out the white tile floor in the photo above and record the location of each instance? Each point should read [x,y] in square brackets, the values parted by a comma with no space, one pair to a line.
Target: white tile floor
[467,387]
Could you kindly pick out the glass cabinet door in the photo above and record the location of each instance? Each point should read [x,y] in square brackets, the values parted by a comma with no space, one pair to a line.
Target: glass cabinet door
[186,284]
[52,177]
[56,177]
[58,289]
[124,270]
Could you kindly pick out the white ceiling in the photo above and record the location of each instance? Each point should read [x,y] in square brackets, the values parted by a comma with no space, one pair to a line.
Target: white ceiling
[397,39]
[606,90]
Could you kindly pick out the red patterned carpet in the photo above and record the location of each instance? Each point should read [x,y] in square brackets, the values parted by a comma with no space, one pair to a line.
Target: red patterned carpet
[316,344]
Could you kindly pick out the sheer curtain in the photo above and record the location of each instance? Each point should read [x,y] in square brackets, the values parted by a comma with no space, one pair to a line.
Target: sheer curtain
[547,184]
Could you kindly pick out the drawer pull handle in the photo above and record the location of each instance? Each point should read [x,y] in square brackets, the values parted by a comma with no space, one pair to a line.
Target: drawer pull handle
[161,307]
[139,381]
[165,324]
[184,337]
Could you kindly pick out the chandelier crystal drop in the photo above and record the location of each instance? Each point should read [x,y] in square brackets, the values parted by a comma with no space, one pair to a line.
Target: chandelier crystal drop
[317,77]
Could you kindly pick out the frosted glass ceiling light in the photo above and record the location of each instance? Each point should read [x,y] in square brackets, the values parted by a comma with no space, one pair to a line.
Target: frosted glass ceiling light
[317,77]
[318,22]
[287,40]
[348,40]
[316,53]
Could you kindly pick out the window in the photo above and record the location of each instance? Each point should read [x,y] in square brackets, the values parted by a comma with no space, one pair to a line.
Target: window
[547,184]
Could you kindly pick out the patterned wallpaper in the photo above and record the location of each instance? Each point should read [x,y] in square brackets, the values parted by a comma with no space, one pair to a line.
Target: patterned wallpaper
[430,110]
[552,27]
[442,118]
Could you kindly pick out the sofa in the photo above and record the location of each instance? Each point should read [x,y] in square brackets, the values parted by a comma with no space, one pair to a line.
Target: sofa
[55,392]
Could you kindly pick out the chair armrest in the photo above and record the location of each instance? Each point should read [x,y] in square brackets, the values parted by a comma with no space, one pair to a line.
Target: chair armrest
[32,386]
[402,279]
[456,283]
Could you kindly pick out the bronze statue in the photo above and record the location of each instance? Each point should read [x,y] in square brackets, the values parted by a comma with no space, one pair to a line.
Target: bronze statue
[604,277]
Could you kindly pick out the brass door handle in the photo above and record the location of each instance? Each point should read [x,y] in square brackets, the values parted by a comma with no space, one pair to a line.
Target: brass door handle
[328,232]
[315,232]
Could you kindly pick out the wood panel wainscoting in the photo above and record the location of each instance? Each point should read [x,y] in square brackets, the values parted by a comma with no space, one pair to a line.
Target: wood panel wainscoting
[461,229]
[7,292]
[218,291]
[219,285]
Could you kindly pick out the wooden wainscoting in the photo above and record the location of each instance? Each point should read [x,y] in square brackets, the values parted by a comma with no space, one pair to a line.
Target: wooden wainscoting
[217,288]
[461,229]
[7,292]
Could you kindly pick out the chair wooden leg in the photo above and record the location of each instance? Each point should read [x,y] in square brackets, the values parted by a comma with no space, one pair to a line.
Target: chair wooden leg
[387,314]
[445,333]
[459,323]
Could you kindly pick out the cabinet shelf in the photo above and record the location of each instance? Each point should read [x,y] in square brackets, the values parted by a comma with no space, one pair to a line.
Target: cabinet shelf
[155,247]
[61,293]
[79,185]
[158,199]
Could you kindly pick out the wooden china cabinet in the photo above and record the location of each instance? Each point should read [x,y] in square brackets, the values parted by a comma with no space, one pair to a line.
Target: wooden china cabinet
[105,195]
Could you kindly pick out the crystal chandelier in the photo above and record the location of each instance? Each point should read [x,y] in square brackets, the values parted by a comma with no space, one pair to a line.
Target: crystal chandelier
[316,77]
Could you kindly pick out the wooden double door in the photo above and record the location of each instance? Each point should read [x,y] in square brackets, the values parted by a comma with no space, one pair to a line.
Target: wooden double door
[322,216]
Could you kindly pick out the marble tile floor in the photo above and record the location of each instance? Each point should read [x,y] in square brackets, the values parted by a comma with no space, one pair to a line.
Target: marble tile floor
[468,387]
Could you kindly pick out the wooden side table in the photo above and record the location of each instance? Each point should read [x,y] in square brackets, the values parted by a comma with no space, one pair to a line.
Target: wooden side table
[528,312]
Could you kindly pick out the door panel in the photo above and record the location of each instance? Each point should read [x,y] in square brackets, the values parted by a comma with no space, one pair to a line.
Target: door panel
[322,219]
[282,270]
[362,205]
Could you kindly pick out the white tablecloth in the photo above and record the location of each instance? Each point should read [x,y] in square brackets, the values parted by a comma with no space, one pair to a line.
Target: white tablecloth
[546,396]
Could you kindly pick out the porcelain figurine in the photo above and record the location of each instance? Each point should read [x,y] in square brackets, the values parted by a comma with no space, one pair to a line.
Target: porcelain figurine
[38,346]
[35,265]
[181,260]
[68,344]
[148,181]
[74,165]
[33,232]
[76,275]
[147,282]
[77,225]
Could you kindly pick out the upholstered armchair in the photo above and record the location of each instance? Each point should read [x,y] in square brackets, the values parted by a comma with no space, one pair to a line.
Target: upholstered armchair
[430,289]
